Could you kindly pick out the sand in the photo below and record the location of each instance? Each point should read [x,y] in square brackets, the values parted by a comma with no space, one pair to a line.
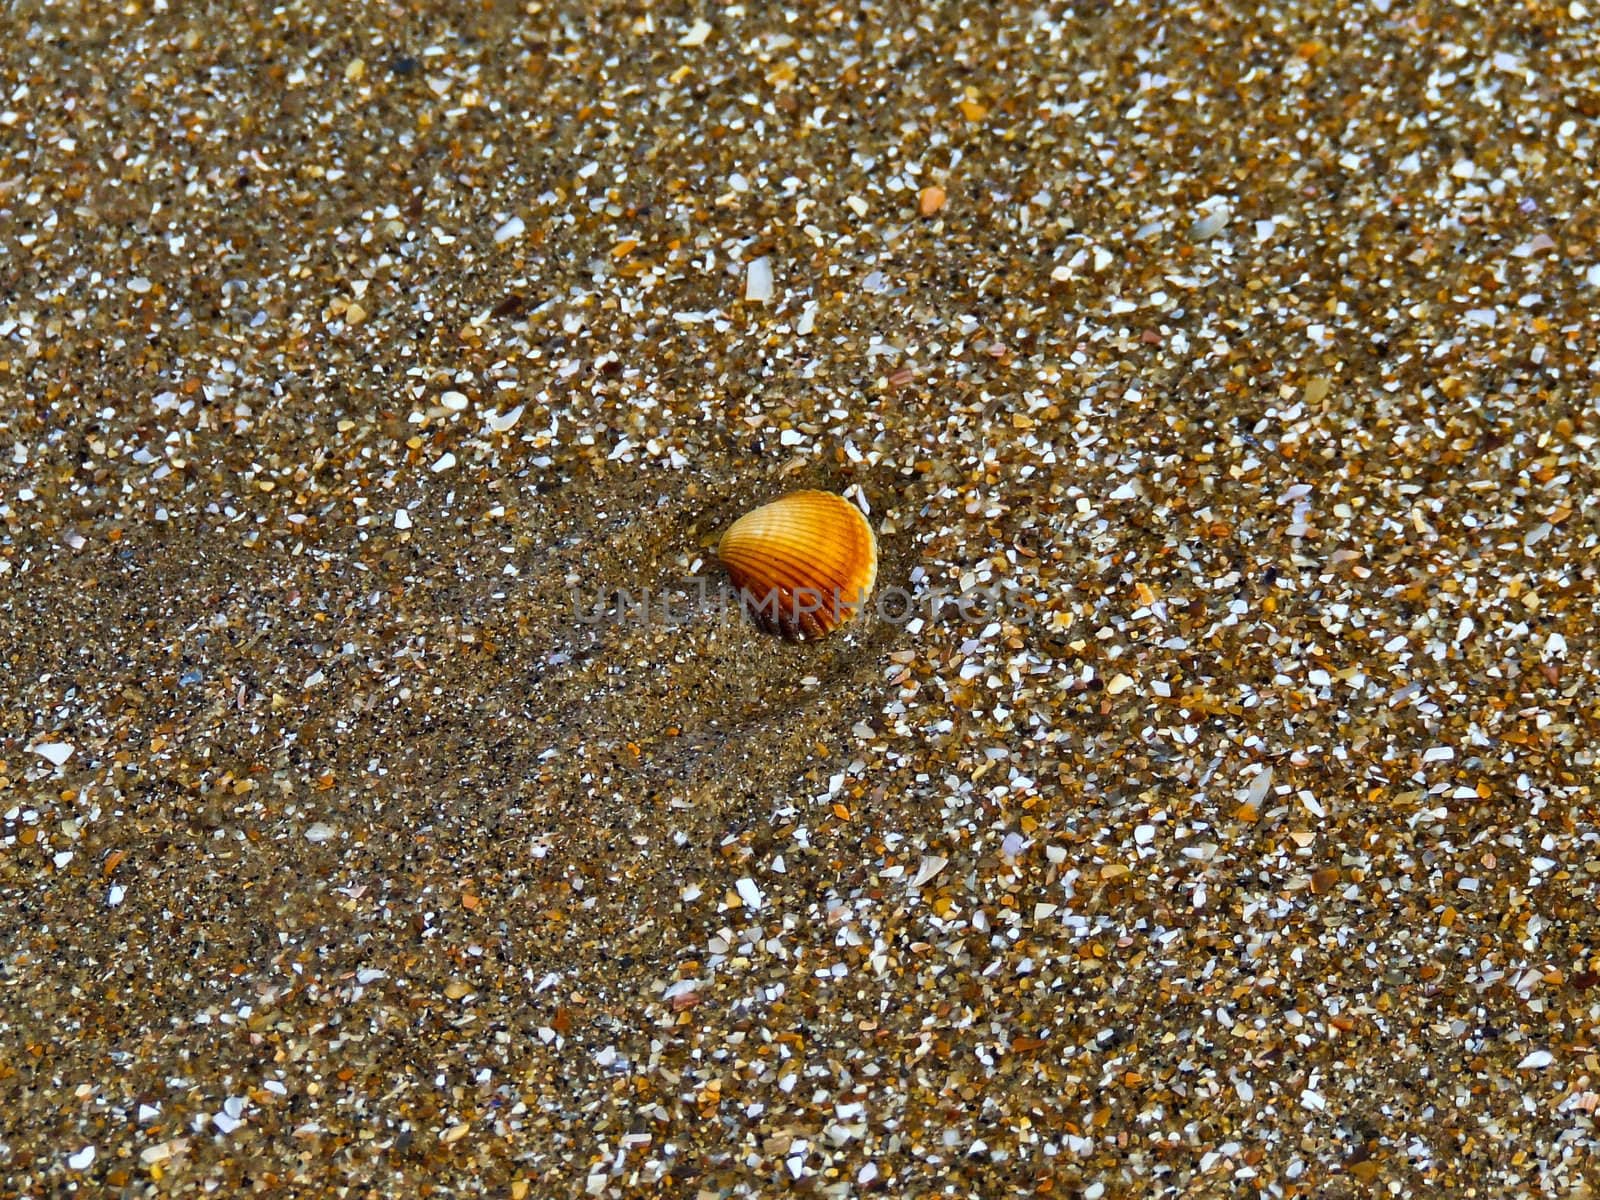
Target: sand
[1231,832]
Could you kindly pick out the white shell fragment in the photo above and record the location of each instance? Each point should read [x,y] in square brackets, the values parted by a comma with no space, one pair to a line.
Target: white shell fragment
[749,892]
[55,753]
[758,280]
[697,33]
[931,865]
[1211,223]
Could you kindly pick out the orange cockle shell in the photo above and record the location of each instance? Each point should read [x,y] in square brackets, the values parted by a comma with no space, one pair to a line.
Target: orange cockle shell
[804,564]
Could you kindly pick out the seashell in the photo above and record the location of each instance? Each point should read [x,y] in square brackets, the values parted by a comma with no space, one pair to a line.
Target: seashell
[803,564]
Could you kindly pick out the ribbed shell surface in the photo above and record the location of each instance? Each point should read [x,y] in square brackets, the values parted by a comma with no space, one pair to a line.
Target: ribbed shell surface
[803,564]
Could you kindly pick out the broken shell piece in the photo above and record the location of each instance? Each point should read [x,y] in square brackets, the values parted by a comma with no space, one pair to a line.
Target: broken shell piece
[804,564]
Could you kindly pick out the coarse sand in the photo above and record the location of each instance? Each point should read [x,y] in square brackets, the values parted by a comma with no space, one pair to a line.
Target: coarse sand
[1221,383]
